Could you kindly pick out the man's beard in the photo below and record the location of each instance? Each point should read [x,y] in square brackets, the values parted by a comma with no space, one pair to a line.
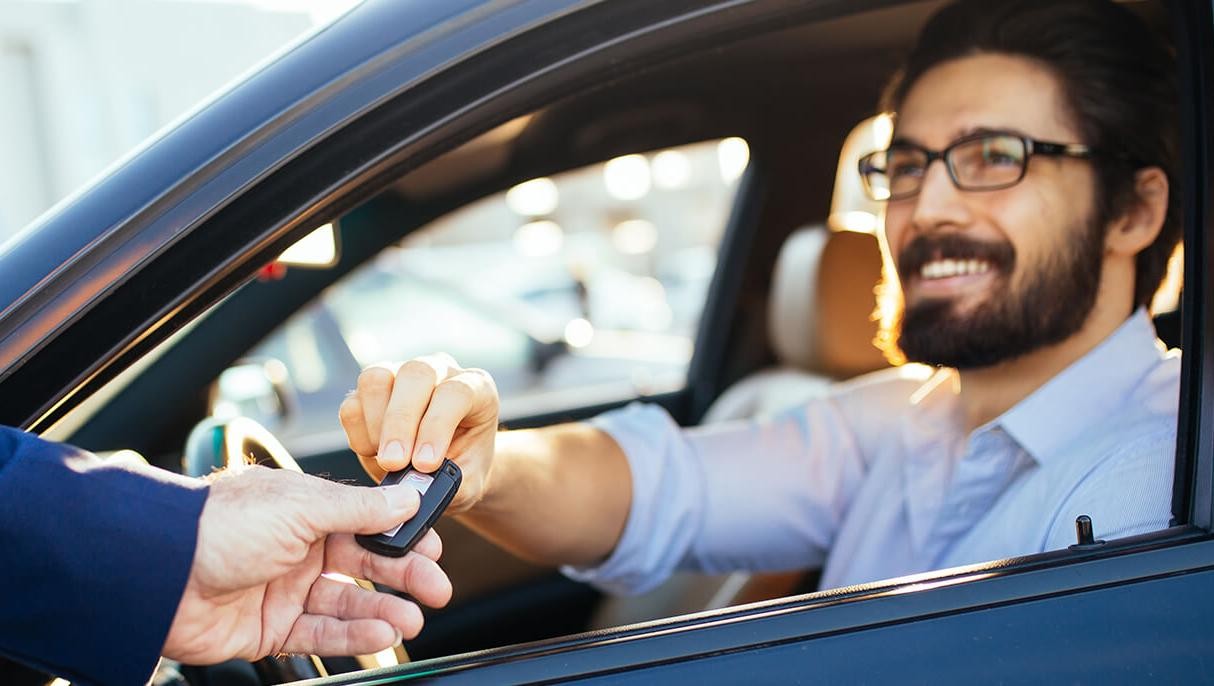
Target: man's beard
[1051,303]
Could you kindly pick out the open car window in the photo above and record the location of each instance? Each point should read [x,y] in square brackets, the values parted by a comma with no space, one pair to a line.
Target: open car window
[573,290]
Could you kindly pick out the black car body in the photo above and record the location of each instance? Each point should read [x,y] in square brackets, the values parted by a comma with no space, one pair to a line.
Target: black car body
[179,230]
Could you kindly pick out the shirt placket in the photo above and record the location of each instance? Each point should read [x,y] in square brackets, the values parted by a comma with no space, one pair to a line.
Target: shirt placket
[979,477]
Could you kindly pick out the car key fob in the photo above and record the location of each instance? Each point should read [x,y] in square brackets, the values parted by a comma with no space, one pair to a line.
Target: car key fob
[436,489]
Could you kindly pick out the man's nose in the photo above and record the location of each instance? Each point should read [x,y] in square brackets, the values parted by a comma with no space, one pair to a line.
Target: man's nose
[939,203]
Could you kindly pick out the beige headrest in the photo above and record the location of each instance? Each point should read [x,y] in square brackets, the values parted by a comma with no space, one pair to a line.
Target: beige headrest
[821,301]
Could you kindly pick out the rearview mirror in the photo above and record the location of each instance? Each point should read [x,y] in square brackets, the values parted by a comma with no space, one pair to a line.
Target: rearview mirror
[317,250]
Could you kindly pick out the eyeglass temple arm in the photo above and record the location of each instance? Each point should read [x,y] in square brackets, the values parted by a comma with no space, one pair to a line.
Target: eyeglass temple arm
[1070,149]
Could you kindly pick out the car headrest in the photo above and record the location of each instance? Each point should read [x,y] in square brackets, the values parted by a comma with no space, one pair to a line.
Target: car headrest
[821,302]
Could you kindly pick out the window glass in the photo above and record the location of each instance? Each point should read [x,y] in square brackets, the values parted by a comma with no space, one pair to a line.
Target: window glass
[571,290]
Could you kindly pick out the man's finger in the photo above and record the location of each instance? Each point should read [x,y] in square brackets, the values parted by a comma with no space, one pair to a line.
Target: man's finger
[375,386]
[415,574]
[430,546]
[372,468]
[467,400]
[415,382]
[450,404]
[334,508]
[322,635]
[345,600]
[350,414]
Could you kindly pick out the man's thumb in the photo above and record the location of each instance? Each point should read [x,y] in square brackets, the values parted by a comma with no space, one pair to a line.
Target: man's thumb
[362,510]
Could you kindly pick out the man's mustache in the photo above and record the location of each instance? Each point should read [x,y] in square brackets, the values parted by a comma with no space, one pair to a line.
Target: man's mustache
[953,246]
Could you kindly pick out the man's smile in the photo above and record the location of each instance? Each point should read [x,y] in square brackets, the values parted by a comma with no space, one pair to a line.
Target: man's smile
[950,277]
[950,265]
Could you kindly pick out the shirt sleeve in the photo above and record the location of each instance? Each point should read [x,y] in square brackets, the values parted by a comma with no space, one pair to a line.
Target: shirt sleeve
[96,557]
[762,495]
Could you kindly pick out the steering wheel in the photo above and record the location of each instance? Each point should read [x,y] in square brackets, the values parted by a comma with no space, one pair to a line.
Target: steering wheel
[218,443]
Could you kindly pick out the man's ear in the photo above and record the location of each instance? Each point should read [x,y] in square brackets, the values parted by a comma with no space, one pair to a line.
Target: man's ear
[1143,219]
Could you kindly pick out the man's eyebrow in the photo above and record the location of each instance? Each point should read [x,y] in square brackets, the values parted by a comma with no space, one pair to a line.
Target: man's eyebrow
[980,130]
[963,132]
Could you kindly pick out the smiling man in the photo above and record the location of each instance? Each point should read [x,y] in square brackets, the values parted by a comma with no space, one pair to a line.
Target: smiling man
[1031,212]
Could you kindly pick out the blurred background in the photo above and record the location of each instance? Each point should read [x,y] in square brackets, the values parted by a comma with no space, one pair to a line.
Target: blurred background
[85,81]
[580,288]
[590,282]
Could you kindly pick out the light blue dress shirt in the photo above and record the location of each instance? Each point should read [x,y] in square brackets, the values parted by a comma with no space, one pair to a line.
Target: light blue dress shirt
[878,478]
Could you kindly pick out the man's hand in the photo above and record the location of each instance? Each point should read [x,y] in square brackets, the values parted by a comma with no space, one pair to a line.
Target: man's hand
[517,485]
[257,587]
[430,408]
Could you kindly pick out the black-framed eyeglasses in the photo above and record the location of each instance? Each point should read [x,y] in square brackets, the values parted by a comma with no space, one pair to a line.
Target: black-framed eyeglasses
[985,161]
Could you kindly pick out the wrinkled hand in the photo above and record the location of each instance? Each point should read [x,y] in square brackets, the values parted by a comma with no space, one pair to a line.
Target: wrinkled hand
[428,409]
[257,586]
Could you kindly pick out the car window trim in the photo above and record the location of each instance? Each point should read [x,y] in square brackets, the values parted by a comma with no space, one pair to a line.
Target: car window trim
[1193,485]
[705,380]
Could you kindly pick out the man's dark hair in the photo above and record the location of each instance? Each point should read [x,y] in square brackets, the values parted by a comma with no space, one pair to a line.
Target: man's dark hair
[1118,78]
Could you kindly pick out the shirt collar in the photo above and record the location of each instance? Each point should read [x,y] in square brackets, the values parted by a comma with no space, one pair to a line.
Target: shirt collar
[1051,417]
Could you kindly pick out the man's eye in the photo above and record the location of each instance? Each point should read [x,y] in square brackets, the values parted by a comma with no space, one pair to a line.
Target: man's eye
[997,156]
[1000,158]
[905,169]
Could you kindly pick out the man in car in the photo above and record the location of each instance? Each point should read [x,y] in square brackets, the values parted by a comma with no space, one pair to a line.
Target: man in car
[106,567]
[1032,208]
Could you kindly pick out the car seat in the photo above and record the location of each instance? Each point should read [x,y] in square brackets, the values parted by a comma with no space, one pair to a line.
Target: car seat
[819,323]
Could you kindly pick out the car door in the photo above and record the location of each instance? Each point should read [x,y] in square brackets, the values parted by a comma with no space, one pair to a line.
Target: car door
[1133,607]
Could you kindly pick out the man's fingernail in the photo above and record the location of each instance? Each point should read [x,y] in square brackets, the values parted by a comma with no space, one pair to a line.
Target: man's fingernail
[399,638]
[401,497]
[425,456]
[393,455]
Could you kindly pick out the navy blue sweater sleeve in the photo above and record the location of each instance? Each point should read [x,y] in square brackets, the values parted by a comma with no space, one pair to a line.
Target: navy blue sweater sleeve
[93,559]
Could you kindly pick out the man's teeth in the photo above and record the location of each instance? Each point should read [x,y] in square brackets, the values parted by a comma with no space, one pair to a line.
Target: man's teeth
[941,269]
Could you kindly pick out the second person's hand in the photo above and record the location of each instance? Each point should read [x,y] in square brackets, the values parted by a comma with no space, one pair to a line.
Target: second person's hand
[426,409]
